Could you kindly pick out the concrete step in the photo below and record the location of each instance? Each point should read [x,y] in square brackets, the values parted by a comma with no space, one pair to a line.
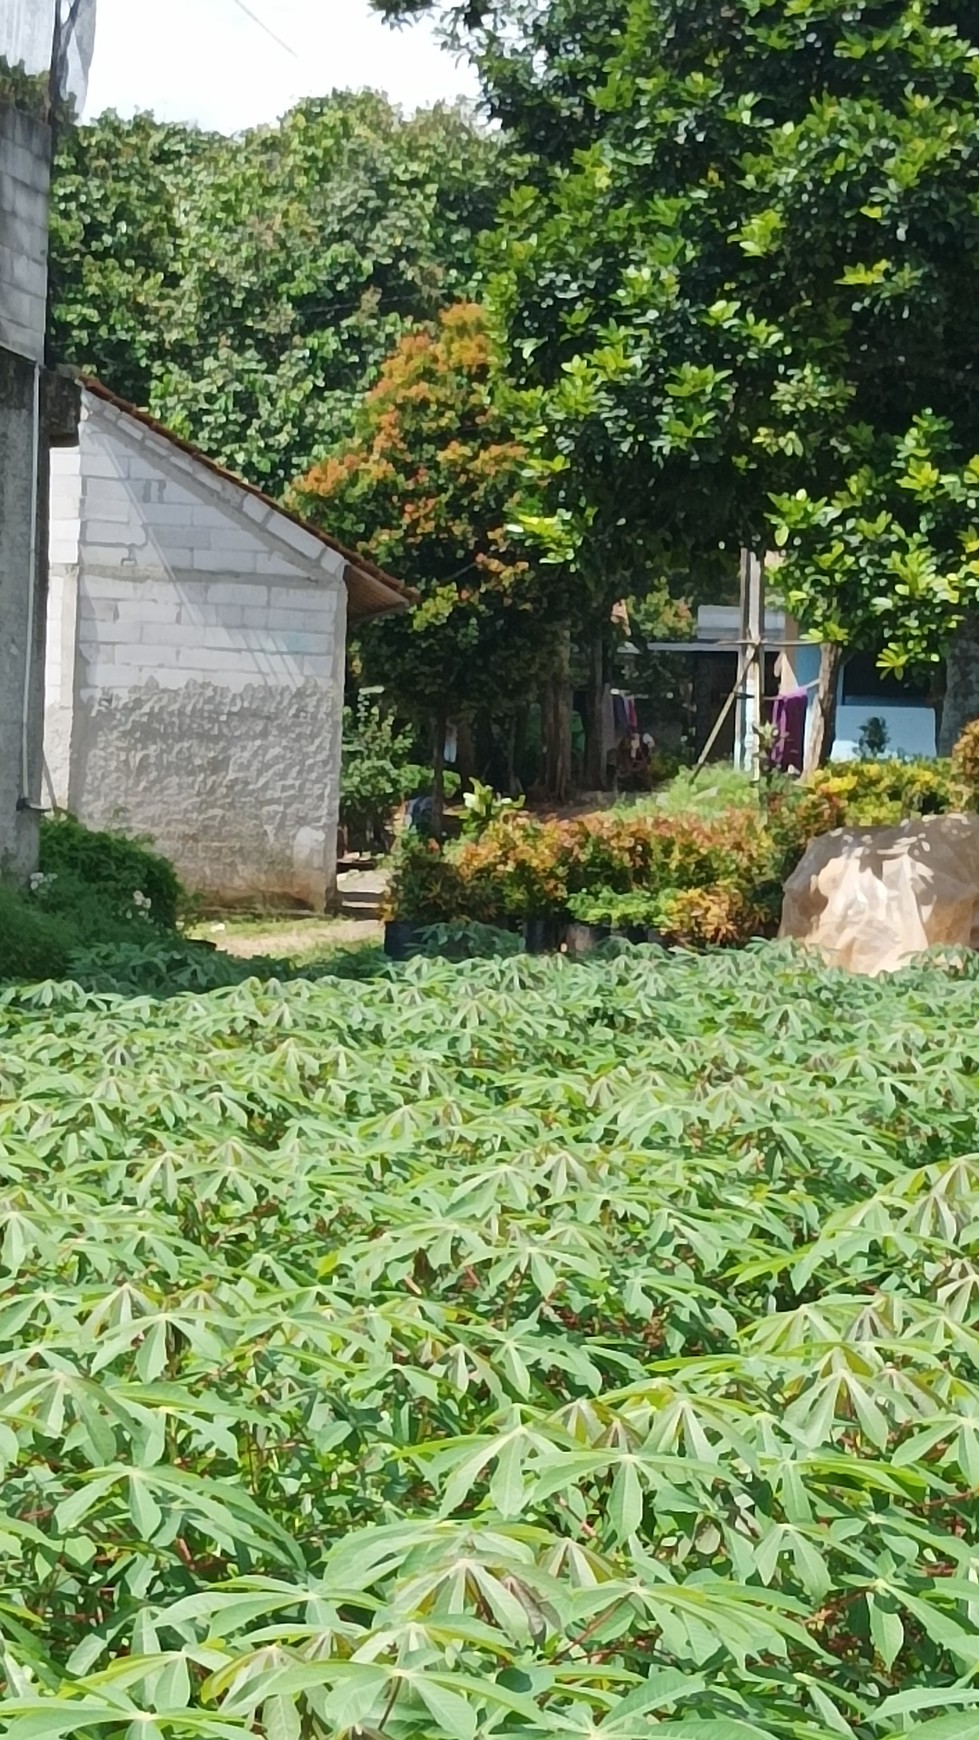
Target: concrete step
[362,892]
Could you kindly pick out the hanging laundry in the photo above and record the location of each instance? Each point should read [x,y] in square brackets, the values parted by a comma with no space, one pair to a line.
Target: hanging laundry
[789,720]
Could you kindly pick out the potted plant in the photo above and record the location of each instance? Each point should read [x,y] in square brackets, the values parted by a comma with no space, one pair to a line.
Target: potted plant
[420,895]
[598,916]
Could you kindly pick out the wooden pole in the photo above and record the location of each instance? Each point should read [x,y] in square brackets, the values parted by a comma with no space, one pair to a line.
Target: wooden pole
[742,734]
[756,668]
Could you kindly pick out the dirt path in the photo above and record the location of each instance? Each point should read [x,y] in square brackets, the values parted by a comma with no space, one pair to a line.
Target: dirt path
[292,937]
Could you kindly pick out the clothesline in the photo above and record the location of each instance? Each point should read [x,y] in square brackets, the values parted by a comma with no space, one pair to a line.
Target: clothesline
[739,693]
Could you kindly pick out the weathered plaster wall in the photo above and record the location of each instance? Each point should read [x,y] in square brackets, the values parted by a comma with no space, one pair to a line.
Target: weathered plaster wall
[197,696]
[25,156]
[21,623]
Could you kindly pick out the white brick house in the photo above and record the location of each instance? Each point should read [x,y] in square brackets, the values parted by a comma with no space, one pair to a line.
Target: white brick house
[196,645]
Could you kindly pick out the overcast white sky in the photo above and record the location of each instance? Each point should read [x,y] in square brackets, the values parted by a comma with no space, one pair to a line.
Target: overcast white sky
[206,61]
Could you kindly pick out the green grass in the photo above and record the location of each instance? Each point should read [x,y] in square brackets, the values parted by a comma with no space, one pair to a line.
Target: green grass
[712,791]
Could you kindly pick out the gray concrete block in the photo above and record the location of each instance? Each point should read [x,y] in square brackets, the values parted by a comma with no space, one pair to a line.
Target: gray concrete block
[20,340]
[22,272]
[121,534]
[304,543]
[101,460]
[122,515]
[296,644]
[214,660]
[233,539]
[99,490]
[249,596]
[20,231]
[255,509]
[285,567]
[17,127]
[140,612]
[231,562]
[203,616]
[26,165]
[98,609]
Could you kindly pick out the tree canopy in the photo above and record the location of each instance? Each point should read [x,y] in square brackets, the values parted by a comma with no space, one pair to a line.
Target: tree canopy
[431,484]
[246,290]
[728,254]
[743,253]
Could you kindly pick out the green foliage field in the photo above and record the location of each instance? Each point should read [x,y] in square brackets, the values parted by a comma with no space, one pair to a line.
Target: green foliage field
[509,1348]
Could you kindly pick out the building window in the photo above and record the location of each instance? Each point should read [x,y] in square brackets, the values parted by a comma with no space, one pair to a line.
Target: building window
[864,684]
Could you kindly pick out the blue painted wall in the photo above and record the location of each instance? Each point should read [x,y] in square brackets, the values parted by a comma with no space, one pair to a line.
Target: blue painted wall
[911,728]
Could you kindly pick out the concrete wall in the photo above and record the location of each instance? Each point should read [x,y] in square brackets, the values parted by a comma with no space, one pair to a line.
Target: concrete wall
[25,155]
[195,670]
[21,619]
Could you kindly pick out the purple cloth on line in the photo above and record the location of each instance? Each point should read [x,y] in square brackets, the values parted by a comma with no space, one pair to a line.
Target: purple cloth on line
[789,719]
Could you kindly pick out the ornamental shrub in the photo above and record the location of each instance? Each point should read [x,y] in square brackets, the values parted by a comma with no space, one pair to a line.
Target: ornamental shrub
[378,772]
[883,793]
[117,868]
[965,763]
[33,944]
[521,868]
[732,862]
[718,917]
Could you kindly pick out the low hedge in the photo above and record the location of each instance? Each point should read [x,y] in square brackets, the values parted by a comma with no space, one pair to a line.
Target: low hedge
[92,890]
[695,879]
[124,872]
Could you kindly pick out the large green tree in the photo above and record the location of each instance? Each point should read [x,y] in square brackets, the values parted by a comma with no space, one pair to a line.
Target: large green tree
[246,290]
[431,485]
[747,249]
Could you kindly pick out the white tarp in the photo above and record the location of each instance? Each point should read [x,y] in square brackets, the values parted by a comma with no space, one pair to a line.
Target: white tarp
[27,39]
[870,899]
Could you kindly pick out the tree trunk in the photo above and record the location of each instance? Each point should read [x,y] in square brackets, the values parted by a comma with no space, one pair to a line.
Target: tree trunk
[593,772]
[821,733]
[440,727]
[557,712]
[465,751]
[962,688]
[513,726]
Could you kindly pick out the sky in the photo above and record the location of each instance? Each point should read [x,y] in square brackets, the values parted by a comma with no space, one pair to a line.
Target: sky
[207,61]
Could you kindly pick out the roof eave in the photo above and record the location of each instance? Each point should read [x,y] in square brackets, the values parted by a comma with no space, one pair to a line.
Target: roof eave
[368,596]
[381,583]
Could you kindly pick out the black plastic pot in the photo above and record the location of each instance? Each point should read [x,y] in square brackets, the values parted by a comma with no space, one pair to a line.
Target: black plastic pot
[401,940]
[582,939]
[543,936]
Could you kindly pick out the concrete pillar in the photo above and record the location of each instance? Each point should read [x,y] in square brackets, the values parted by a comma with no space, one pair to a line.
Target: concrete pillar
[23,594]
[22,616]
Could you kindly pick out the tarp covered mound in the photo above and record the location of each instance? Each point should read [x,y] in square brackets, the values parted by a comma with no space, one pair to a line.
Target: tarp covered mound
[870,899]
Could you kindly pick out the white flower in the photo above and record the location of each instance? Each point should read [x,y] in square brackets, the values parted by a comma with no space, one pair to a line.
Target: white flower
[142,900]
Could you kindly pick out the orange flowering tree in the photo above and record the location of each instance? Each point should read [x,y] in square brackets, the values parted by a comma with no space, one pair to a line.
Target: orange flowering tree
[431,486]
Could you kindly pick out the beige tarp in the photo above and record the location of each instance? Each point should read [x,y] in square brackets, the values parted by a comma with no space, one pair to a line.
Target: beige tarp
[869,899]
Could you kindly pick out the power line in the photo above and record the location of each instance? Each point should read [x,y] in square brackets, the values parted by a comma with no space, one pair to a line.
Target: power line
[267,28]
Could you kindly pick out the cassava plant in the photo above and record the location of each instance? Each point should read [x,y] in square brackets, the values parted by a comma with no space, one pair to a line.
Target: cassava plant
[511,1348]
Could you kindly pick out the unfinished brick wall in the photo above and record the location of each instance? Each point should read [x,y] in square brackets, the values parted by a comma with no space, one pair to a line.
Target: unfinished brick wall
[25,154]
[195,667]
